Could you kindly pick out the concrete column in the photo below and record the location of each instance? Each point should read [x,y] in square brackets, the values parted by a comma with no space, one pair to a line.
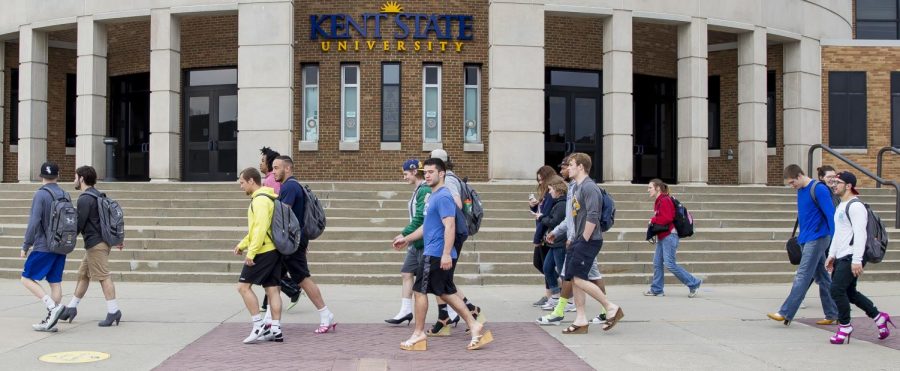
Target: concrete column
[693,130]
[618,115]
[2,103]
[90,121]
[802,101]
[165,95]
[516,114]
[32,102]
[752,116]
[265,79]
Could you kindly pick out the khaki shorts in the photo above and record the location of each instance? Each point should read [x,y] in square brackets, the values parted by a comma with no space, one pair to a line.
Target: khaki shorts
[95,264]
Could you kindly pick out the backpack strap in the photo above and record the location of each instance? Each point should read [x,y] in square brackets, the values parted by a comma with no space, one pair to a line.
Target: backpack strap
[812,193]
[847,212]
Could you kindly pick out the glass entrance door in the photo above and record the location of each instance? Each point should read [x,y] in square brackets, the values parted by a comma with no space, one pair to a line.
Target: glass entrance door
[211,126]
[654,129]
[573,118]
[130,124]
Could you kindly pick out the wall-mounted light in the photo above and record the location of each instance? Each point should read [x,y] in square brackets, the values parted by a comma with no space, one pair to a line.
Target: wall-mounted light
[730,154]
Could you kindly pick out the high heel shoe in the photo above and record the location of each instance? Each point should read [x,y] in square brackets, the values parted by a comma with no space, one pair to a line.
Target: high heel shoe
[481,340]
[842,335]
[575,329]
[68,314]
[324,329]
[420,345]
[883,330]
[110,318]
[397,321]
[440,328]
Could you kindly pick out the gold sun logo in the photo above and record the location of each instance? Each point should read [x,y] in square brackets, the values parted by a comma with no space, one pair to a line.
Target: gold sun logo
[391,7]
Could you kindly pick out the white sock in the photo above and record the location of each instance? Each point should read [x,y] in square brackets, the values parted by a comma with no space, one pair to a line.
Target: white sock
[74,302]
[880,319]
[276,322]
[406,306]
[268,317]
[452,313]
[48,302]
[112,306]
[325,315]
[256,318]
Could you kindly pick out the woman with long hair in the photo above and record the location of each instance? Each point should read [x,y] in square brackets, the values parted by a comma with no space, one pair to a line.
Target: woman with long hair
[553,262]
[541,205]
[662,228]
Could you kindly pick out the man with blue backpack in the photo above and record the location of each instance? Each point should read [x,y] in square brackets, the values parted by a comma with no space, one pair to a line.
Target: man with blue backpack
[101,224]
[51,233]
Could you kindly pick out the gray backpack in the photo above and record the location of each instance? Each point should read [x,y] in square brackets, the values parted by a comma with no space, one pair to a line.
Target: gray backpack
[62,233]
[313,214]
[112,219]
[285,229]
[877,241]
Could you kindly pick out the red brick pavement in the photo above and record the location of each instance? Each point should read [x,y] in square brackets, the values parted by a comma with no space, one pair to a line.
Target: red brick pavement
[863,329]
[516,346]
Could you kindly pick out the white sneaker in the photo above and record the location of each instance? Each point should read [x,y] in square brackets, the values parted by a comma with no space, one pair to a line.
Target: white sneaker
[570,307]
[550,304]
[257,333]
[49,323]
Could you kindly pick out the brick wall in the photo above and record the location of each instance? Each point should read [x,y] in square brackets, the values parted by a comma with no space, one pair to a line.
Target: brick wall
[370,162]
[878,62]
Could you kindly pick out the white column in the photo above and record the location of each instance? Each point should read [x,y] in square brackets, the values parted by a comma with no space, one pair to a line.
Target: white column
[802,101]
[32,102]
[2,104]
[165,95]
[693,129]
[90,121]
[265,79]
[618,115]
[752,147]
[516,113]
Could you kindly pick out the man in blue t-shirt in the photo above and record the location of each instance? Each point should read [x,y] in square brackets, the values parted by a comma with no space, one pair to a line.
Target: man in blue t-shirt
[435,275]
[815,216]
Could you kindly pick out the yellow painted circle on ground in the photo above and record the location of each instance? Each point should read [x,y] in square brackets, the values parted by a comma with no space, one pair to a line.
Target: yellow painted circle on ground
[81,356]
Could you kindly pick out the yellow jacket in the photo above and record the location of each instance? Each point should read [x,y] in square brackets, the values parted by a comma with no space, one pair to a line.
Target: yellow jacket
[259,222]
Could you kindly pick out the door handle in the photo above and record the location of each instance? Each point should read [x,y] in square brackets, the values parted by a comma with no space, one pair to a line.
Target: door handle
[209,146]
[215,145]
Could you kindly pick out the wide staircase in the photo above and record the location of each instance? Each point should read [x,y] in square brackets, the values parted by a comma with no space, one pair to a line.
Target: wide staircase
[185,232]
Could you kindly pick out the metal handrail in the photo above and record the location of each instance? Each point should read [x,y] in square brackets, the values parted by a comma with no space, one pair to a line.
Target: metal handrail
[880,157]
[878,179]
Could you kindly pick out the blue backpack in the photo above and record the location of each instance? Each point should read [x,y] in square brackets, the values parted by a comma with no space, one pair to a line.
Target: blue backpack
[607,212]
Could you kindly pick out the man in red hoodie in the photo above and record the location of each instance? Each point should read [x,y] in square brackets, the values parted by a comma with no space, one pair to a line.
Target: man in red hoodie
[662,228]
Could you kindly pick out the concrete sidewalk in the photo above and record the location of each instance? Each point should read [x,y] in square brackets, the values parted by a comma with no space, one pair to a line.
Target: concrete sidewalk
[724,327]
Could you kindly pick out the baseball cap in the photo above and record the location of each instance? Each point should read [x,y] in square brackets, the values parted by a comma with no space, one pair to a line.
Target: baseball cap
[49,170]
[439,153]
[850,179]
[412,164]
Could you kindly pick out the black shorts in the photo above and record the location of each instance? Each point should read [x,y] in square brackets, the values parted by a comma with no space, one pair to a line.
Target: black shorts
[296,265]
[266,270]
[580,258]
[431,279]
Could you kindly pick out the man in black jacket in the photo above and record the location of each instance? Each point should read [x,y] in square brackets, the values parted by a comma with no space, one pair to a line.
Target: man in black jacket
[95,264]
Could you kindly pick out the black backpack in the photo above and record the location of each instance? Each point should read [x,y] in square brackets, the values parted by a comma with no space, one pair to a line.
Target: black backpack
[684,221]
[62,232]
[472,208]
[112,219]
[877,241]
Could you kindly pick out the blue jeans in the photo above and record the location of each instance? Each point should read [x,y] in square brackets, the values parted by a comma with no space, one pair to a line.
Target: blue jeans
[664,257]
[812,268]
[553,264]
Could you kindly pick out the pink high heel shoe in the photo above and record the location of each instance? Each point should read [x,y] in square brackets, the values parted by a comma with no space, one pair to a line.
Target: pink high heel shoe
[324,329]
[842,335]
[883,330]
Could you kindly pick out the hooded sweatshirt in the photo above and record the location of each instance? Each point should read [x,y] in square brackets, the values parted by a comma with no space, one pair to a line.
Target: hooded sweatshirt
[259,222]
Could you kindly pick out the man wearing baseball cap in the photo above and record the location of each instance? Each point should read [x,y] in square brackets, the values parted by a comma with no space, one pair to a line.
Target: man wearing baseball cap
[41,263]
[412,174]
[845,260]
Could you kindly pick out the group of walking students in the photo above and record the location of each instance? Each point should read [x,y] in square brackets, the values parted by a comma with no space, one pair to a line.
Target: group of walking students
[571,213]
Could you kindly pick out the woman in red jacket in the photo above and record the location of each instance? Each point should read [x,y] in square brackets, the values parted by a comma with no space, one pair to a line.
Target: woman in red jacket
[666,242]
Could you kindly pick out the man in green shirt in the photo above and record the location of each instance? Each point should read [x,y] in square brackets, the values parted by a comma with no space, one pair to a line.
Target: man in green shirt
[412,173]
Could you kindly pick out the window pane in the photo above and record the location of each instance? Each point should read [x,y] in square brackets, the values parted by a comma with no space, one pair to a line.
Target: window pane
[198,115]
[895,121]
[312,75]
[228,105]
[71,97]
[390,114]
[575,78]
[847,109]
[472,75]
[556,123]
[13,106]
[876,30]
[713,112]
[350,114]
[311,112]
[391,74]
[431,75]
[471,116]
[432,129]
[876,9]
[770,110]
[585,120]
[213,77]
[350,75]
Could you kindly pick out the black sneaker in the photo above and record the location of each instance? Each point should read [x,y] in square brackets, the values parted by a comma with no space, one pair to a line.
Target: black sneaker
[276,335]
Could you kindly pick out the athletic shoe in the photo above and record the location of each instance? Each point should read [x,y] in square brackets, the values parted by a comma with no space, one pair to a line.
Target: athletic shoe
[275,334]
[257,333]
[50,321]
[600,319]
[651,293]
[550,304]
[540,302]
[695,290]
[570,307]
[549,319]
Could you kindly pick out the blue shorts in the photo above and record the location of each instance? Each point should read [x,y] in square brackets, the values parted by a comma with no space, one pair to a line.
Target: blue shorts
[40,265]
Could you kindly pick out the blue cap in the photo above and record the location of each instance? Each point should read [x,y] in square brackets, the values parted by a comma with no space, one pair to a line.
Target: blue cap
[412,164]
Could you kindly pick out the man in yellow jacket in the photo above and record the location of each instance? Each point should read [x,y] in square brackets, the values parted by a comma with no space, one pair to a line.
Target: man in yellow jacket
[262,265]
